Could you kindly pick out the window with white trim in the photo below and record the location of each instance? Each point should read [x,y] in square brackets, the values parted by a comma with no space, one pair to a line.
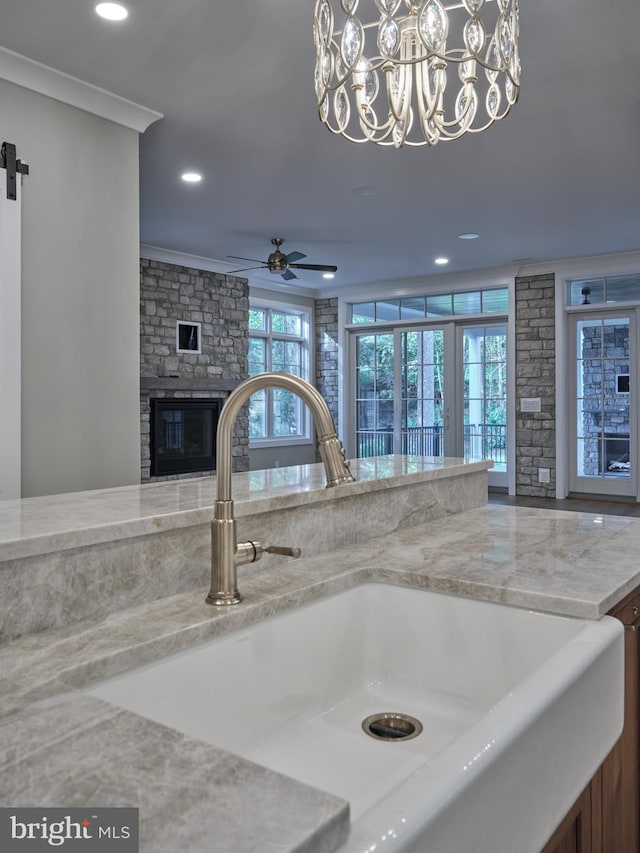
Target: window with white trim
[597,291]
[278,341]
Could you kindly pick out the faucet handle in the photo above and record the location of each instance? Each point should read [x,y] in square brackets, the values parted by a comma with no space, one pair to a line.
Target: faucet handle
[283,551]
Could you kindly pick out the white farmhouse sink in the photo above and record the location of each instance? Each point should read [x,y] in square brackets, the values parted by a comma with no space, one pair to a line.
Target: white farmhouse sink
[518,709]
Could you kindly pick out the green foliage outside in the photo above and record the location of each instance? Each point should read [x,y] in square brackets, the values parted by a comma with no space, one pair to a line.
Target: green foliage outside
[422,361]
[284,356]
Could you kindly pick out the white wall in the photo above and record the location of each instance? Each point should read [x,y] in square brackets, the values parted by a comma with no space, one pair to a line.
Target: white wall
[80,282]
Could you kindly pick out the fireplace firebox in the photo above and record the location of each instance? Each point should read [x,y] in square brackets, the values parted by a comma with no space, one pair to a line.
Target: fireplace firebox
[183,435]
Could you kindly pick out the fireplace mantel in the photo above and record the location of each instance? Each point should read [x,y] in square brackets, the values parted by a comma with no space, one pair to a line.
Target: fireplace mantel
[186,383]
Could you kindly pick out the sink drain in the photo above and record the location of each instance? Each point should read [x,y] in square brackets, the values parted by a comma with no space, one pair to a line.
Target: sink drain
[392,726]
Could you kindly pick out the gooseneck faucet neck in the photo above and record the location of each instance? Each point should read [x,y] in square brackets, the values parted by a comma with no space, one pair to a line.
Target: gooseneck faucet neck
[226,554]
[336,469]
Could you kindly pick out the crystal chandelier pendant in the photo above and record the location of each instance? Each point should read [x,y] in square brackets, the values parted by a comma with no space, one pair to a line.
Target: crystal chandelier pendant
[414,72]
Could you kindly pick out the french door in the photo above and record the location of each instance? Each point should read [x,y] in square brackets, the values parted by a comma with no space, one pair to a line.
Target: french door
[432,391]
[482,398]
[426,393]
[375,388]
[603,423]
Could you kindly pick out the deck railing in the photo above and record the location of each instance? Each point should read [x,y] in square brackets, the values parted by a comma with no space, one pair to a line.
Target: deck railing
[481,441]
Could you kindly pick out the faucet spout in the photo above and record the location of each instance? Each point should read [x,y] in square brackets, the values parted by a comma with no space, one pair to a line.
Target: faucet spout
[226,553]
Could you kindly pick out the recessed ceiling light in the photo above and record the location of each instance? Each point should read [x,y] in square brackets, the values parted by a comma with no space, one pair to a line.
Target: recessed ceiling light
[365,192]
[469,235]
[328,275]
[112,11]
[191,177]
[441,261]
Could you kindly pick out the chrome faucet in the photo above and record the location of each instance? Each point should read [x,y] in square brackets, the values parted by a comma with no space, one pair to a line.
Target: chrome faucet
[226,552]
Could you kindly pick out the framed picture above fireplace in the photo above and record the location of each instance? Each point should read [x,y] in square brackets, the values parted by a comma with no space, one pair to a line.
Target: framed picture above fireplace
[188,337]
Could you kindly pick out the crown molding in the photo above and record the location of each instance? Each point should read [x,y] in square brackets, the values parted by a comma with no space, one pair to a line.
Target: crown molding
[45,80]
[184,259]
[417,285]
[198,262]
[590,266]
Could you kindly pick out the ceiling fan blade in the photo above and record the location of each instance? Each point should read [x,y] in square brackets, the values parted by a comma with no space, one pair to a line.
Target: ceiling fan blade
[239,258]
[246,269]
[319,267]
[295,256]
[287,275]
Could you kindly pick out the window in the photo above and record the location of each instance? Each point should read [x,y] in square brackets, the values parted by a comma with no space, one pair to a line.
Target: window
[493,301]
[595,291]
[278,341]
[429,379]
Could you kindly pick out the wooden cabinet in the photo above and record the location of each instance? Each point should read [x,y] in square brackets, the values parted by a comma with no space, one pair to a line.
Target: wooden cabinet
[616,785]
[574,833]
[606,816]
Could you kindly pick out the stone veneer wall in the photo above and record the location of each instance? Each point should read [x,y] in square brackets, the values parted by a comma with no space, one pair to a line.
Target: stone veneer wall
[535,377]
[169,293]
[326,312]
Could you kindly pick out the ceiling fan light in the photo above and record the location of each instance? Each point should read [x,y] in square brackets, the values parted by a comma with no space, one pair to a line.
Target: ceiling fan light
[385,69]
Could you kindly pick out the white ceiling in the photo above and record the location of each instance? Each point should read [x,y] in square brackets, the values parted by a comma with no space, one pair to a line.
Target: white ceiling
[558,178]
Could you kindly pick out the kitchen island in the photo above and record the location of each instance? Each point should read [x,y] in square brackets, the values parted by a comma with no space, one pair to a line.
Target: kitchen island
[425,524]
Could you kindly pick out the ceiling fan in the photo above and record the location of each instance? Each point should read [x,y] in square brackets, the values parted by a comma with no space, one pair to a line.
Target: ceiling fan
[281,264]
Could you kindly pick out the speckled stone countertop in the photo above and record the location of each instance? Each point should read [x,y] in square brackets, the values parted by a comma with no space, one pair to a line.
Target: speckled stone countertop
[60,747]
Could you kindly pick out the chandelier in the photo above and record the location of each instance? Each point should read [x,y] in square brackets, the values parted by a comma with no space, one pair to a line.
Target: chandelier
[414,72]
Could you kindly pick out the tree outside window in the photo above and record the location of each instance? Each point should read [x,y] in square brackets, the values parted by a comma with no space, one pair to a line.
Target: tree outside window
[278,341]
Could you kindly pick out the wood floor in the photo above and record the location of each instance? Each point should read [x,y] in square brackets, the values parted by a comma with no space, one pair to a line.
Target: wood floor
[602,507]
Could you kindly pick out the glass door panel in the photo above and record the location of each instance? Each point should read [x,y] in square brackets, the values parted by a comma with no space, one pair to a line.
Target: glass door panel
[602,455]
[422,392]
[374,394]
[484,397]
[415,397]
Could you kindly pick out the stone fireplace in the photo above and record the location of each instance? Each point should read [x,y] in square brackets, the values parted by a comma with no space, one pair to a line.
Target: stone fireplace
[193,347]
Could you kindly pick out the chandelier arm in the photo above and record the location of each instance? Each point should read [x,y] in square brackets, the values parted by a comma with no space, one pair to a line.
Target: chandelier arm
[377,63]
[435,101]
[424,110]
[399,112]
[374,132]
[446,134]
[346,135]
[361,108]
[373,128]
[388,131]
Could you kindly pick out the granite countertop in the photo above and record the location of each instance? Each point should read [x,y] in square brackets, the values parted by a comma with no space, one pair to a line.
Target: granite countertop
[59,746]
[39,525]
